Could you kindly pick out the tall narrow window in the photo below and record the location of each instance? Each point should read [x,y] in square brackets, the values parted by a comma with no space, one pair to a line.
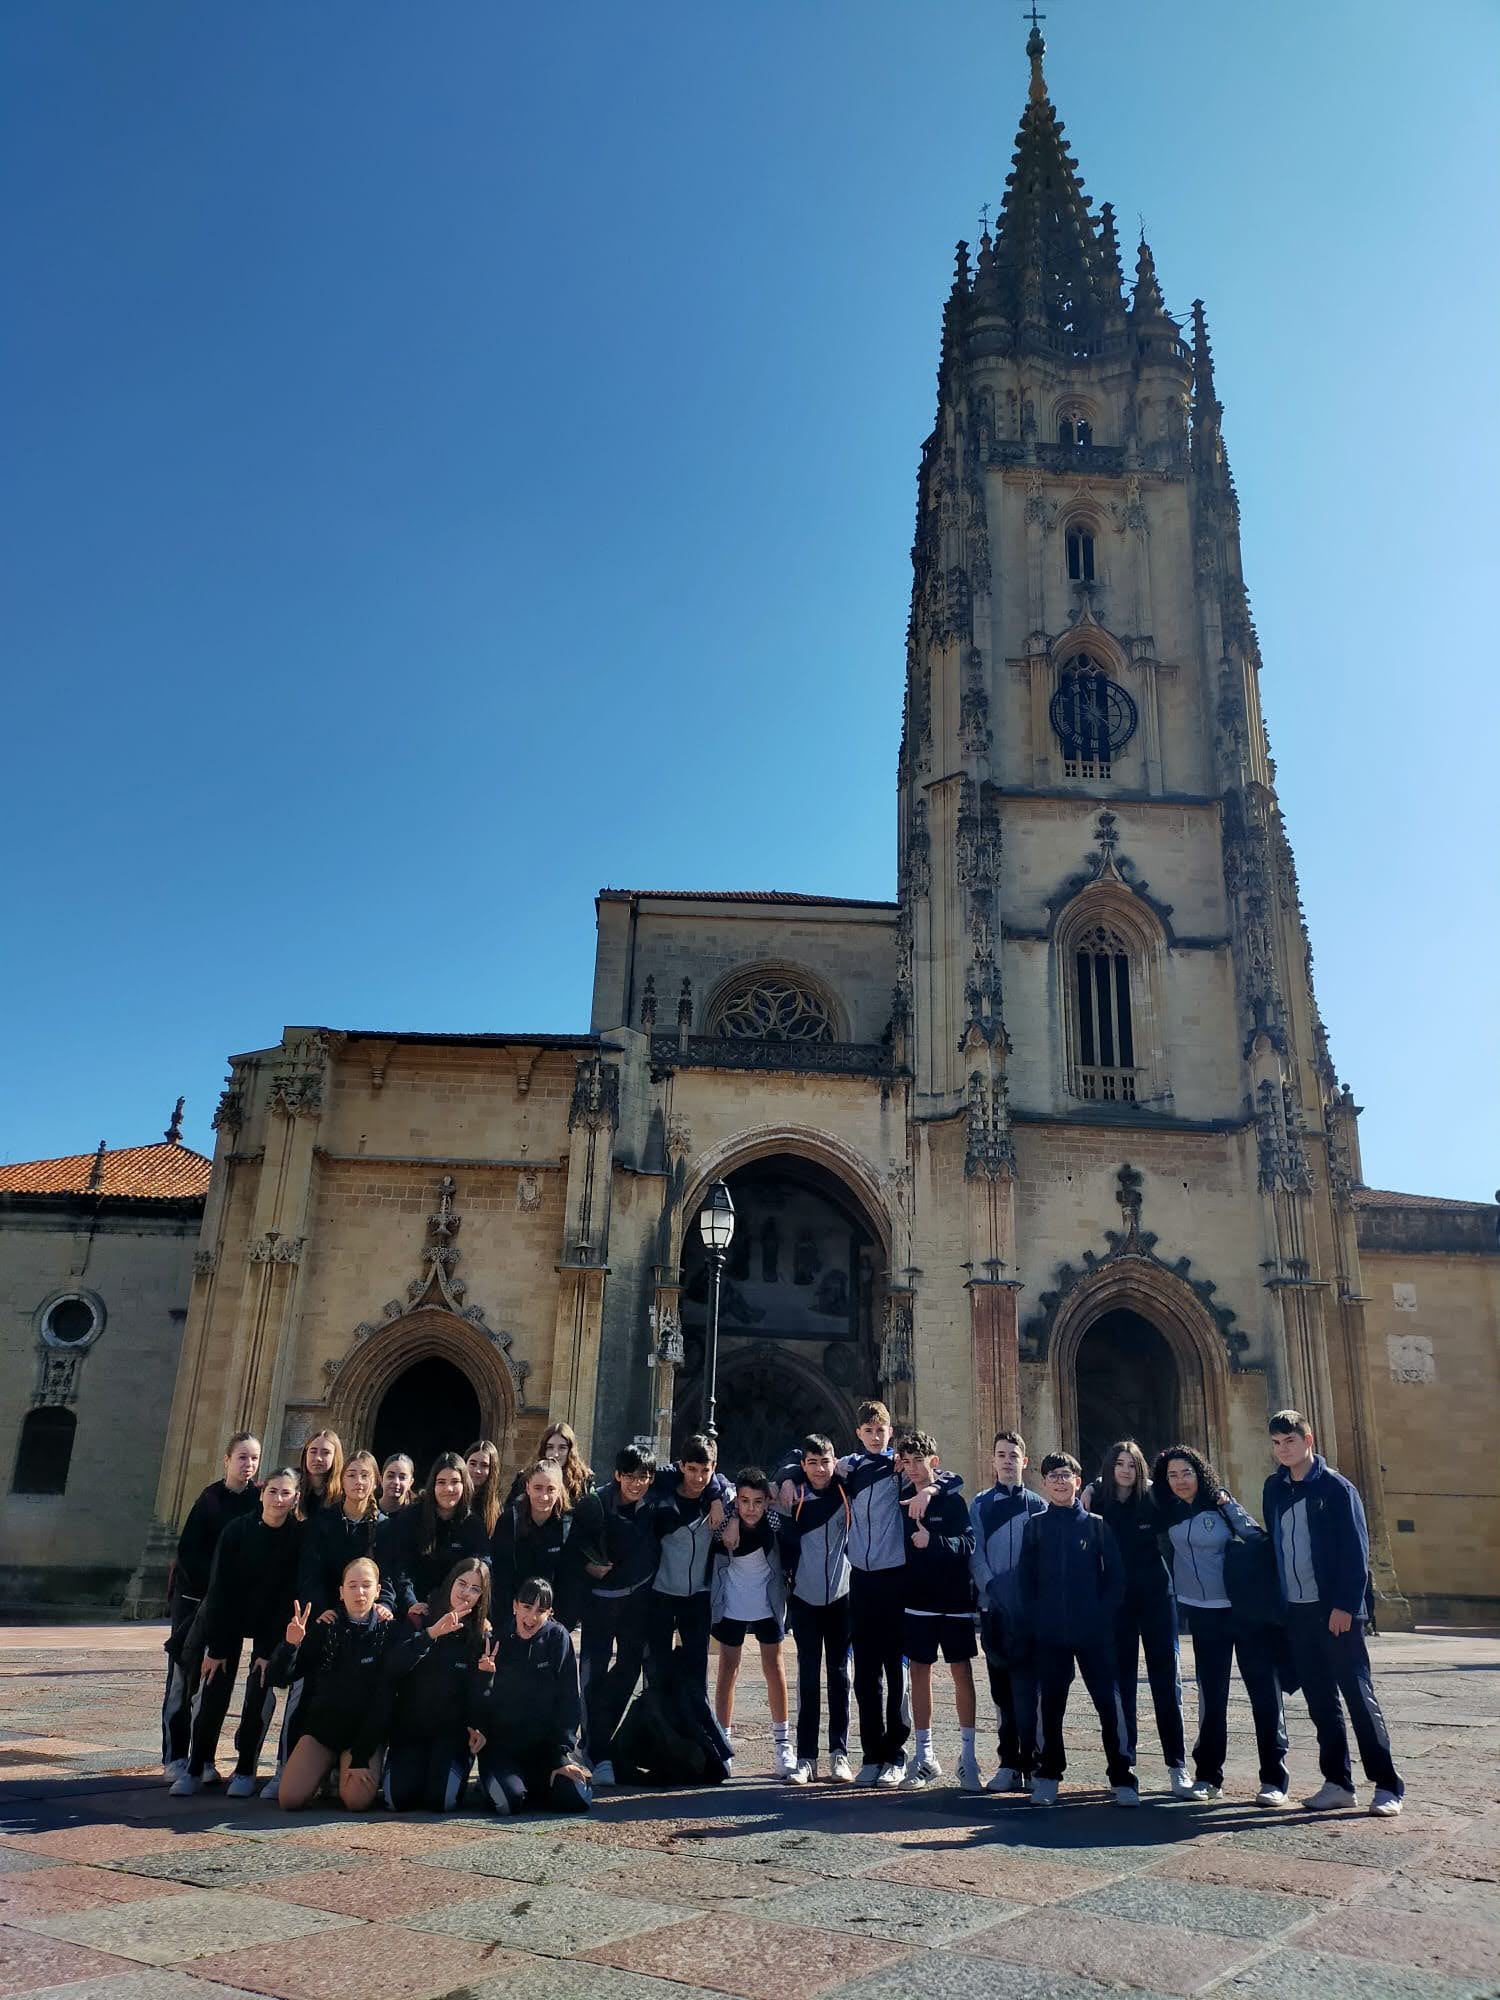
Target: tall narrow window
[1105,1068]
[1065,430]
[1080,554]
[46,1451]
[1075,429]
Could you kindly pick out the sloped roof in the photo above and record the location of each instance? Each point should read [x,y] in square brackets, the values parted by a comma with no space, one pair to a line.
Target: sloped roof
[161,1172]
[751,896]
[1388,1198]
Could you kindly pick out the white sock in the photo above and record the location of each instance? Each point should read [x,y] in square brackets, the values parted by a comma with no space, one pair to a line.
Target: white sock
[781,1734]
[924,1744]
[966,1741]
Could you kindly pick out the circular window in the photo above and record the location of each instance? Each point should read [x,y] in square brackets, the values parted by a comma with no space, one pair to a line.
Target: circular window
[71,1321]
[774,1008]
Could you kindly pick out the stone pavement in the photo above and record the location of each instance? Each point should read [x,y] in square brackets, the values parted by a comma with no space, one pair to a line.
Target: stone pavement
[111,1890]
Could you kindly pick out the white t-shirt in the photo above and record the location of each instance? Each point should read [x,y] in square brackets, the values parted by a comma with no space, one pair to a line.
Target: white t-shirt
[747,1588]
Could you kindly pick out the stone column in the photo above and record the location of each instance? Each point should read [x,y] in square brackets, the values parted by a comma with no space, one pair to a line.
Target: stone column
[583,1267]
[994,1316]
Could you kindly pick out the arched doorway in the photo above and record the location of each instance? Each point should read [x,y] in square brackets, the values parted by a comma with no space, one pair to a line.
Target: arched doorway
[430,1407]
[1127,1385]
[798,1321]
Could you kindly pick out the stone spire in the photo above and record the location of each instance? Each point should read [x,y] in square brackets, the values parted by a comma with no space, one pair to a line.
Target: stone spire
[1209,456]
[173,1133]
[1146,301]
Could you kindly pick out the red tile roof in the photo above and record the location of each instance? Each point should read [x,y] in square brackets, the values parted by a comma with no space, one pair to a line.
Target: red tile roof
[154,1173]
[1388,1198]
[750,896]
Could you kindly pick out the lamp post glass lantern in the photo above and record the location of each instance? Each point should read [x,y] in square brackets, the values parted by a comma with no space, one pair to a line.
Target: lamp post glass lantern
[716,1227]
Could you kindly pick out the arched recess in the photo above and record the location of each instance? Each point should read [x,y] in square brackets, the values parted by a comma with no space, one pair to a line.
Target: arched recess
[1105,918]
[767,1399]
[375,1363]
[804,1142]
[1139,1285]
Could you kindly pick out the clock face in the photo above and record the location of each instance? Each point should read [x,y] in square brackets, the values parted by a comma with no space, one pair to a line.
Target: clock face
[1092,715]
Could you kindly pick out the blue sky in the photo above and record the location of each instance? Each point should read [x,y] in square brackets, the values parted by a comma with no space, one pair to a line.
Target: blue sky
[460,456]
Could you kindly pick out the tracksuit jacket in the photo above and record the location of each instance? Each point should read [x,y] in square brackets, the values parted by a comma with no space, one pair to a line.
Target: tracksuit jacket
[1138,1529]
[764,1535]
[1000,1518]
[686,1540]
[532,1702]
[414,1573]
[437,1689]
[251,1585]
[814,1539]
[876,1538]
[1071,1580]
[213,1510]
[330,1542]
[520,1549]
[937,1574]
[1336,1529]
[608,1529]
[1199,1536]
[344,1665]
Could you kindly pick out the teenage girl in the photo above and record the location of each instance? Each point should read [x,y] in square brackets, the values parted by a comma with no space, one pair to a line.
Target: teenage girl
[483,1461]
[1148,1616]
[419,1546]
[441,1675]
[559,1443]
[531,1535]
[531,1758]
[187,1581]
[396,1479]
[1202,1519]
[343,1718]
[322,1469]
[251,1592]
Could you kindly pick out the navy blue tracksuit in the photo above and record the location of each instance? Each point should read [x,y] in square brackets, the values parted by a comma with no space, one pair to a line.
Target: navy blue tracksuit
[1323,1563]
[1147,1619]
[1070,1587]
[1000,1516]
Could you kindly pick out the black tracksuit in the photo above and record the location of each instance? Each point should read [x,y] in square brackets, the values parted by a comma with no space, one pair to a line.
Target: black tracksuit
[348,1702]
[1147,1618]
[415,1573]
[532,1716]
[330,1542]
[250,1593]
[520,1549]
[439,1694]
[1070,1586]
[617,1607]
[215,1507]
[814,1536]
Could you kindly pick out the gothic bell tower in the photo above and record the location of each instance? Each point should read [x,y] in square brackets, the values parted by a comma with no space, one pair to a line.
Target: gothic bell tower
[1125,1126]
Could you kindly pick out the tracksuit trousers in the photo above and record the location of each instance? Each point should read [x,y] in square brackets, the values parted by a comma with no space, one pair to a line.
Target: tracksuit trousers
[1328,1667]
[1216,1646]
[184,1658]
[211,1706]
[686,1619]
[820,1633]
[877,1614]
[517,1777]
[613,1650]
[1013,1689]
[427,1773]
[1151,1626]
[1054,1671]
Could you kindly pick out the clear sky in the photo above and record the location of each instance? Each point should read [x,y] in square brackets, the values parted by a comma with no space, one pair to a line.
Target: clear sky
[457,456]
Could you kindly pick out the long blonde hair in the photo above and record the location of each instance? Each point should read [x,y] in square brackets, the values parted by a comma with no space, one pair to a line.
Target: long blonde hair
[487,1497]
[577,1476]
[372,1505]
[332,1495]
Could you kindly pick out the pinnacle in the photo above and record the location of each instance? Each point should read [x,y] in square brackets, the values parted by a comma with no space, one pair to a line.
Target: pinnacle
[1146,299]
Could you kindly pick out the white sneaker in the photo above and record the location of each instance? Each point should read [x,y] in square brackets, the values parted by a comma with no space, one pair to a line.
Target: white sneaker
[892,1775]
[1386,1805]
[1127,1795]
[1206,1793]
[784,1760]
[969,1779]
[604,1773]
[1004,1780]
[1044,1791]
[803,1773]
[923,1772]
[175,1770]
[868,1774]
[212,1775]
[1330,1797]
[1179,1783]
[186,1787]
[242,1787]
[270,1791]
[839,1770]
[1271,1796]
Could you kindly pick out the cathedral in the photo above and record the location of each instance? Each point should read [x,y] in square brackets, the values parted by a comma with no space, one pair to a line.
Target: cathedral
[1053,1139]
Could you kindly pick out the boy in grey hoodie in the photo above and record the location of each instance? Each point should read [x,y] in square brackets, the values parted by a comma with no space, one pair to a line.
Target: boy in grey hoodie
[691,1502]
[815,1547]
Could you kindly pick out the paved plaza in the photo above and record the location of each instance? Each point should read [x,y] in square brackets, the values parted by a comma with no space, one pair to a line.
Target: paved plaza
[111,1890]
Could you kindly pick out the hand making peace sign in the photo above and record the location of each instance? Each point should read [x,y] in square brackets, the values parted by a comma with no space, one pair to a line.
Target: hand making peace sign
[486,1660]
[451,1621]
[296,1630]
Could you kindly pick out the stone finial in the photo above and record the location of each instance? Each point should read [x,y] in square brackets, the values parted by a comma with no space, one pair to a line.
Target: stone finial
[96,1171]
[1146,298]
[173,1133]
[1036,48]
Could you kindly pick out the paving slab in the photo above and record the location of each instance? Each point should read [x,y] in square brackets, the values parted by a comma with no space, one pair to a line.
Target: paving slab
[735,1953]
[166,1930]
[554,1922]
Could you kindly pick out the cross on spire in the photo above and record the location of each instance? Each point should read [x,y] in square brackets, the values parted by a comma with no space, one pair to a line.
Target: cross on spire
[1033,17]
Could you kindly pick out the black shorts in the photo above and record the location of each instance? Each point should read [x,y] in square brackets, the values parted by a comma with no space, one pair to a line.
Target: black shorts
[925,1632]
[732,1631]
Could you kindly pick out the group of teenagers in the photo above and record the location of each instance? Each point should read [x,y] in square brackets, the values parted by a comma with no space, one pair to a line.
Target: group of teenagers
[427,1636]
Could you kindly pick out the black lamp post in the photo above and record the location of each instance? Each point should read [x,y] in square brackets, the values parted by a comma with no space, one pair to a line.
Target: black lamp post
[716,1227]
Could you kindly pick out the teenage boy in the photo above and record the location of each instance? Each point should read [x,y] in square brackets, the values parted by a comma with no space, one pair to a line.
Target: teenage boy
[877,1598]
[815,1546]
[1000,1518]
[187,1585]
[749,1599]
[1316,1522]
[691,1503]
[616,1537]
[1071,1582]
[939,1615]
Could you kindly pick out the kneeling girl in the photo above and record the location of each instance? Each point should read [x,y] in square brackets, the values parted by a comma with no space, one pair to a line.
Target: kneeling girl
[440,1680]
[531,1758]
[342,1720]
